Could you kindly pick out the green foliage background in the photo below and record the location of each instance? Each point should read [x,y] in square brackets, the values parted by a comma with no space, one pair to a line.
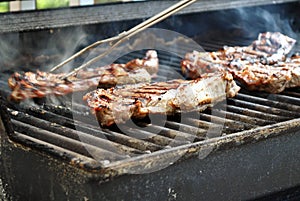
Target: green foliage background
[43,4]
[3,7]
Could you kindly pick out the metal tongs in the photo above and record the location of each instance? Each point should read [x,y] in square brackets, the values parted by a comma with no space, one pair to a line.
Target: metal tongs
[116,40]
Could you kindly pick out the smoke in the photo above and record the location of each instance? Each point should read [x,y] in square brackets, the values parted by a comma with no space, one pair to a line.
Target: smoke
[39,50]
[7,53]
[61,44]
[248,22]
[29,51]
[239,26]
[257,20]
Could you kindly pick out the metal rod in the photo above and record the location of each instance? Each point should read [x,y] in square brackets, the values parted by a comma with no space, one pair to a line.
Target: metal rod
[75,134]
[123,36]
[81,52]
[66,142]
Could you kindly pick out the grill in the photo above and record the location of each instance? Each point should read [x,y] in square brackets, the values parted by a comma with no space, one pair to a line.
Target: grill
[243,148]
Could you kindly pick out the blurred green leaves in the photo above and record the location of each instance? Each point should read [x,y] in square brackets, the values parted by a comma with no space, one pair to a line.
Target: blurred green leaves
[45,4]
[4,7]
[106,1]
[48,4]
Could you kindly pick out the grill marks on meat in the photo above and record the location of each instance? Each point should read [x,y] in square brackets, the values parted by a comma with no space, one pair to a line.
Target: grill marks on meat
[262,66]
[40,84]
[253,75]
[119,104]
[265,78]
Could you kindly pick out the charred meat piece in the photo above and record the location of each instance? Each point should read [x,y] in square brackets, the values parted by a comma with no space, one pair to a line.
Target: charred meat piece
[293,64]
[253,75]
[40,84]
[119,104]
[256,68]
[267,78]
[150,63]
[269,48]
[273,43]
[197,63]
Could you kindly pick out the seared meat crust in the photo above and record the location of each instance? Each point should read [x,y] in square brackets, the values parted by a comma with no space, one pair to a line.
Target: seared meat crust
[40,84]
[119,104]
[262,66]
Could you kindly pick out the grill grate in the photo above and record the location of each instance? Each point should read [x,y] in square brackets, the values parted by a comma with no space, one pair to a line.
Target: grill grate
[53,129]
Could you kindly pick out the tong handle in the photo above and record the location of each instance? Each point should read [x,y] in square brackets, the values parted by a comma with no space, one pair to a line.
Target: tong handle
[116,40]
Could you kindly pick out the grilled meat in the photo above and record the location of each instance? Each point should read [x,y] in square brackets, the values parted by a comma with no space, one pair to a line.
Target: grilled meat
[119,104]
[269,48]
[40,84]
[197,63]
[150,63]
[267,78]
[262,66]
[273,43]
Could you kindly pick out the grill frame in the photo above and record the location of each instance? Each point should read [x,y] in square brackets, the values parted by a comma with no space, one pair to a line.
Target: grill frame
[222,171]
[245,121]
[86,15]
[156,159]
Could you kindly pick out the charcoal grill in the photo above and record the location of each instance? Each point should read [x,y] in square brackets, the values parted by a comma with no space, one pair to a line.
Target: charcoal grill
[47,154]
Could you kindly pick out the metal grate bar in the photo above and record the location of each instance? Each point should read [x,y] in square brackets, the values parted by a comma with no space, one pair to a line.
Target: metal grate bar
[92,130]
[171,133]
[66,111]
[265,101]
[73,157]
[228,123]
[292,93]
[65,142]
[98,141]
[276,97]
[266,109]
[248,122]
[133,142]
[152,137]
[256,114]
[200,123]
[186,128]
